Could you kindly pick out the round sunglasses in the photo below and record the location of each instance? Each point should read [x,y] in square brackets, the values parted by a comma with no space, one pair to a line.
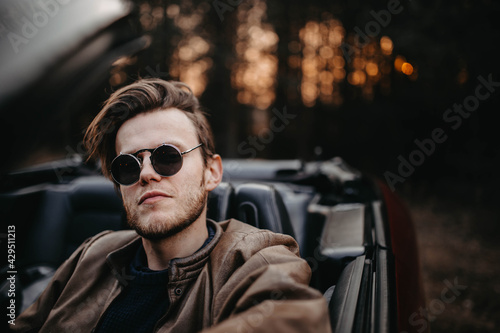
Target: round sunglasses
[166,161]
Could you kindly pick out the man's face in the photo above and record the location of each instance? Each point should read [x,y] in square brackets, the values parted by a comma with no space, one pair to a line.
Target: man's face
[156,206]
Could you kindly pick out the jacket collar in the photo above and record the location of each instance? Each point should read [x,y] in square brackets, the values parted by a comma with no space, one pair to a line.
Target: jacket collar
[179,268]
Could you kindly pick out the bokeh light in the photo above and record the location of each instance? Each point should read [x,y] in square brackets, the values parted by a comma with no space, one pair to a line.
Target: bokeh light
[256,66]
[322,66]
[191,59]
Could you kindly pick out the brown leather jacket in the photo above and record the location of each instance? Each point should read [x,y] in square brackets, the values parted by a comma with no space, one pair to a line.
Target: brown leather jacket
[244,280]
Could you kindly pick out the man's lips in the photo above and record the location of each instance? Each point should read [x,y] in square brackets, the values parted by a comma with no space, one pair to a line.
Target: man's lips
[152,196]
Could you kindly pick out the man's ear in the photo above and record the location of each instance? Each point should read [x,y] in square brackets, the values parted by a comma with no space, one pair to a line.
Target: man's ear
[213,172]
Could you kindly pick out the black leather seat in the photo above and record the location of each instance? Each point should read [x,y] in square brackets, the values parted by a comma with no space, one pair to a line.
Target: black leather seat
[261,205]
[68,215]
[220,201]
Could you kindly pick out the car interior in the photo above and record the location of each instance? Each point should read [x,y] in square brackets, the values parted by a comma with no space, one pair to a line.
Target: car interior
[334,230]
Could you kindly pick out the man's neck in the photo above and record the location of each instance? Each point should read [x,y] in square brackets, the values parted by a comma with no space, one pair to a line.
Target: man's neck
[181,245]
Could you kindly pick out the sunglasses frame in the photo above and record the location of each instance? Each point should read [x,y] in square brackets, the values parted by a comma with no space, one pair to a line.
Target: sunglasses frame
[152,151]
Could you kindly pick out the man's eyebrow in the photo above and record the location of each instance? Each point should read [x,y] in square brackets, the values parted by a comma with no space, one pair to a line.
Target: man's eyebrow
[174,142]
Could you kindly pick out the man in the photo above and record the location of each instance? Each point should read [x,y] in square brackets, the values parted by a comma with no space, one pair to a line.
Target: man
[175,271]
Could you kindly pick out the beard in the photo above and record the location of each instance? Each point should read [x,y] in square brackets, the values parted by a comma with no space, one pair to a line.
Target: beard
[190,210]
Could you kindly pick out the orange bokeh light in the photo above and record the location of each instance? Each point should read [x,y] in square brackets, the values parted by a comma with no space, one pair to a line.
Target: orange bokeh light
[398,63]
[407,68]
[255,70]
[386,45]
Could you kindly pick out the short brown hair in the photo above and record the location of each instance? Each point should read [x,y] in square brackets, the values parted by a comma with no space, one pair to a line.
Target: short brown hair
[144,95]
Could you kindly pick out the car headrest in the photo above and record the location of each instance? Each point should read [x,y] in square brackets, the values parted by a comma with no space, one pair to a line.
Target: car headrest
[261,205]
[219,202]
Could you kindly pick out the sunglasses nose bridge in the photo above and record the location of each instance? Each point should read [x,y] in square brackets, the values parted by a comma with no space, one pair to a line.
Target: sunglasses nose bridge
[145,158]
[147,170]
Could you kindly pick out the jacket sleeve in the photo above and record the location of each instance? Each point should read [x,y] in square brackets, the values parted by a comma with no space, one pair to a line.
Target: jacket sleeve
[270,293]
[33,318]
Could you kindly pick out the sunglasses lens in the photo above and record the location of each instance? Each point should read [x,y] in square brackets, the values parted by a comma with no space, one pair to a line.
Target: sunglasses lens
[167,160]
[125,170]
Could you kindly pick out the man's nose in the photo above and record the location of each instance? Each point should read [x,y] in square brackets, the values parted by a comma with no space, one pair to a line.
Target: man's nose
[148,174]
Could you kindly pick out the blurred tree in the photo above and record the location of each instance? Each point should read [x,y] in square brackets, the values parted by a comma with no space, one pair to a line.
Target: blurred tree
[364,79]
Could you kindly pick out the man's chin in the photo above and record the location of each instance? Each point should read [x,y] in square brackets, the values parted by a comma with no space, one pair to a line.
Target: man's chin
[153,235]
[157,230]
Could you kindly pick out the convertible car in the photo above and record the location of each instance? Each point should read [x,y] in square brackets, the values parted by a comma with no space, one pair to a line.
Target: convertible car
[353,231]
